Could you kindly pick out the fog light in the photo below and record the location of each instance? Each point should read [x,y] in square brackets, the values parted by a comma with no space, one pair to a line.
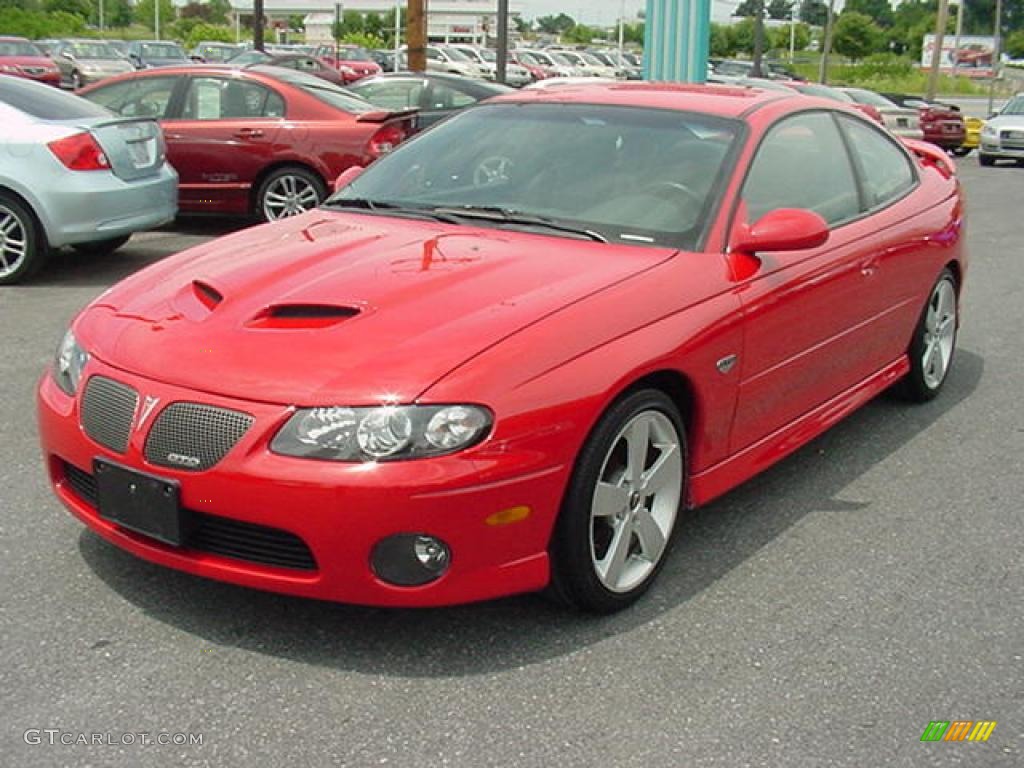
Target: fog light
[410,559]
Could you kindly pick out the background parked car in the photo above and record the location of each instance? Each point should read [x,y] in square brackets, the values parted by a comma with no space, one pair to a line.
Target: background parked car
[73,174]
[551,62]
[82,62]
[19,57]
[973,126]
[833,94]
[261,140]
[452,61]
[302,62]
[352,61]
[211,53]
[901,121]
[435,95]
[942,124]
[1002,138]
[145,54]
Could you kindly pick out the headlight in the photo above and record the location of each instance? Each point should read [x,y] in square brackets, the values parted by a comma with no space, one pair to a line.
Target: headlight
[988,130]
[67,367]
[385,433]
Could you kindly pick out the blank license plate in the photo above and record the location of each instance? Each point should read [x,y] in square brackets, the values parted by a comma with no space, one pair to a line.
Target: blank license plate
[139,152]
[143,503]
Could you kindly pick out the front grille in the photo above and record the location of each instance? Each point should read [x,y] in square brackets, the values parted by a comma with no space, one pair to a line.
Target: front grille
[220,535]
[194,436]
[108,408]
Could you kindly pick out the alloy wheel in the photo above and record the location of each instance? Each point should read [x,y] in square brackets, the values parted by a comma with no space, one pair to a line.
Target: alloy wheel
[289,195]
[13,241]
[939,333]
[636,501]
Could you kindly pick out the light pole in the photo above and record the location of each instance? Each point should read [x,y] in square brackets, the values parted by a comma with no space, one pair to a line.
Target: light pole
[156,18]
[959,31]
[502,62]
[792,33]
[940,31]
[622,30]
[995,56]
[101,16]
[398,35]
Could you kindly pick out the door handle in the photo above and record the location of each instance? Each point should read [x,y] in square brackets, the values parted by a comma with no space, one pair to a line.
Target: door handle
[173,136]
[248,133]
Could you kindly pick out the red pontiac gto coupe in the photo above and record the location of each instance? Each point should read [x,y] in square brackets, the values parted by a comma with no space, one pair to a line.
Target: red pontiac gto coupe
[511,354]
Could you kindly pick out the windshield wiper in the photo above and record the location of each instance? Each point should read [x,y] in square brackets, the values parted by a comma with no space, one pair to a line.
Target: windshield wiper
[384,207]
[514,217]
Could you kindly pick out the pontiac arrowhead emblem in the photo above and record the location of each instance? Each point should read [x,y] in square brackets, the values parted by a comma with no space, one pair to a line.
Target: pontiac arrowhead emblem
[148,407]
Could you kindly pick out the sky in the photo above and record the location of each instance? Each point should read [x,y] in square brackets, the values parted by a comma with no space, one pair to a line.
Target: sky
[603,12]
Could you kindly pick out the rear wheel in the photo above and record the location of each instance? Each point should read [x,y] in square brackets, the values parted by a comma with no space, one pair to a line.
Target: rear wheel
[986,159]
[622,505]
[22,246]
[76,81]
[934,342]
[97,247]
[962,151]
[289,191]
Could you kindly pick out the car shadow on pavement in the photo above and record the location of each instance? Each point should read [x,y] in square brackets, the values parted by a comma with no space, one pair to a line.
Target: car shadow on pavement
[513,632]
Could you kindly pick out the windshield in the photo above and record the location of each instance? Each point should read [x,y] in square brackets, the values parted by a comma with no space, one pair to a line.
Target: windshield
[591,60]
[630,175]
[320,89]
[246,58]
[18,48]
[355,54]
[1014,107]
[93,51]
[161,51]
[489,55]
[456,55]
[528,58]
[560,60]
[217,52]
[869,97]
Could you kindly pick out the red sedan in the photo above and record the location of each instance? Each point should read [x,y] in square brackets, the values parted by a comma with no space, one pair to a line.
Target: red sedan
[265,141]
[21,58]
[514,353]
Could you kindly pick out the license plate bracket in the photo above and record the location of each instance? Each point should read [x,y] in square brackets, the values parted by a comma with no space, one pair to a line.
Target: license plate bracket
[144,503]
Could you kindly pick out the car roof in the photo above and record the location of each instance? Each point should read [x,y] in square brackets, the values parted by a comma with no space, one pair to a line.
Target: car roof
[14,39]
[720,100]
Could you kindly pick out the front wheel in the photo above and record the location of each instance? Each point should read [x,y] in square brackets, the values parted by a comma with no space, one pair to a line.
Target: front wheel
[288,192]
[962,151]
[934,342]
[622,505]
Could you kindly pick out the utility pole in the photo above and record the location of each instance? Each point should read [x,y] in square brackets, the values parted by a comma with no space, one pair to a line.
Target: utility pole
[156,19]
[792,33]
[502,41]
[758,39]
[416,34]
[995,56]
[622,31]
[940,31]
[959,31]
[398,36]
[257,24]
[102,25]
[826,47]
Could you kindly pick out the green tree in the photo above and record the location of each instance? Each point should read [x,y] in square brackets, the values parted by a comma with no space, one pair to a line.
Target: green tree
[779,9]
[144,12]
[879,11]
[352,23]
[523,27]
[220,10]
[1014,44]
[81,8]
[203,32]
[363,40]
[722,44]
[779,37]
[581,34]
[746,9]
[373,25]
[856,35]
[813,12]
[555,25]
[742,33]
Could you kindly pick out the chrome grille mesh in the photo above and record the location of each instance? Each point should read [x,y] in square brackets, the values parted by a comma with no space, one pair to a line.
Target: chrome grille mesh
[108,408]
[194,436]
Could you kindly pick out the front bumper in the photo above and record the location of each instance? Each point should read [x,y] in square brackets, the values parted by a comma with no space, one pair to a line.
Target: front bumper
[89,206]
[995,147]
[339,511]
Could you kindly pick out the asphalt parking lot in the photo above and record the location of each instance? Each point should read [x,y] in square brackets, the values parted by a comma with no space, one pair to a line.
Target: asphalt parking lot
[821,615]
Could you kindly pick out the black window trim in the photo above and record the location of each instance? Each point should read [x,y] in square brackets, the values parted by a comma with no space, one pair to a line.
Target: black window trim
[187,83]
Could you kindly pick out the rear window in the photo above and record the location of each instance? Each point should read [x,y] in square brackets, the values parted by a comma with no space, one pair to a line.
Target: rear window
[161,51]
[320,89]
[46,102]
[93,51]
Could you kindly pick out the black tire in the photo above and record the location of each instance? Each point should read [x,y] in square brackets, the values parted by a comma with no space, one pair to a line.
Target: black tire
[986,160]
[302,177]
[76,80]
[98,247]
[918,386]
[962,151]
[575,580]
[23,247]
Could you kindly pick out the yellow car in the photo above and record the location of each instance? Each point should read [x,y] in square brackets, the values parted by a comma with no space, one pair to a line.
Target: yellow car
[972,136]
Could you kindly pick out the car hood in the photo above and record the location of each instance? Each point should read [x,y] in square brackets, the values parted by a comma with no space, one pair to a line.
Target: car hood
[1003,122]
[342,308]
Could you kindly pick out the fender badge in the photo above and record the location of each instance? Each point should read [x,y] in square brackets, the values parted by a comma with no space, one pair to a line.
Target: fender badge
[726,364]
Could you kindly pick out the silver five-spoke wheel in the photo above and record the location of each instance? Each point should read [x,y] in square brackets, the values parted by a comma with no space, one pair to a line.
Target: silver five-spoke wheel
[939,333]
[13,241]
[636,501]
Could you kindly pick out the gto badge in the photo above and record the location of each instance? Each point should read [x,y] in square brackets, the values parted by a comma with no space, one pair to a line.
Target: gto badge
[726,364]
[147,409]
[184,461]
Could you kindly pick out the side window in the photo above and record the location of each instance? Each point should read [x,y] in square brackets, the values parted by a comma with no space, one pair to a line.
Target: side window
[885,168]
[434,55]
[448,98]
[803,163]
[140,97]
[215,98]
[394,95]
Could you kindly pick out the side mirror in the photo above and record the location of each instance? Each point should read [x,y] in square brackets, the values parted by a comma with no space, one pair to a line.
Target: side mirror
[68,55]
[784,229]
[347,176]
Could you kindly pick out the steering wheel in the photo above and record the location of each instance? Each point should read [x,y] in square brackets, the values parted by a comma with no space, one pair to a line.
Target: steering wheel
[676,191]
[492,170]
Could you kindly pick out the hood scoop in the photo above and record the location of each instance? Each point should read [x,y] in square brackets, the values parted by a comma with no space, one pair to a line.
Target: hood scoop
[208,296]
[298,316]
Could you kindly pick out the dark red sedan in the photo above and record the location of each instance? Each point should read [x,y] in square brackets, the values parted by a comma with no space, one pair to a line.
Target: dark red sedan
[942,124]
[21,58]
[515,352]
[266,141]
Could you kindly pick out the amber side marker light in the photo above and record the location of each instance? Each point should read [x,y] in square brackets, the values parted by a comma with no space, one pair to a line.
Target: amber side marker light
[509,516]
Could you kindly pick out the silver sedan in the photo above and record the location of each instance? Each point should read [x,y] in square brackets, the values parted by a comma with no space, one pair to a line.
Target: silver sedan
[1002,138]
[71,173]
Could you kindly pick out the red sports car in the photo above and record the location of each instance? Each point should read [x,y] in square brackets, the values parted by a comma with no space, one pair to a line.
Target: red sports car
[351,61]
[22,58]
[263,140]
[513,353]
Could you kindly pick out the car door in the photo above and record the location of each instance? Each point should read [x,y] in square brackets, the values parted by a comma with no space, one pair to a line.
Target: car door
[808,329]
[220,139]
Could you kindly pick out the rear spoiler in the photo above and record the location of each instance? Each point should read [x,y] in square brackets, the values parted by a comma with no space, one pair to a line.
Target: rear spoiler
[932,155]
[383,115]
